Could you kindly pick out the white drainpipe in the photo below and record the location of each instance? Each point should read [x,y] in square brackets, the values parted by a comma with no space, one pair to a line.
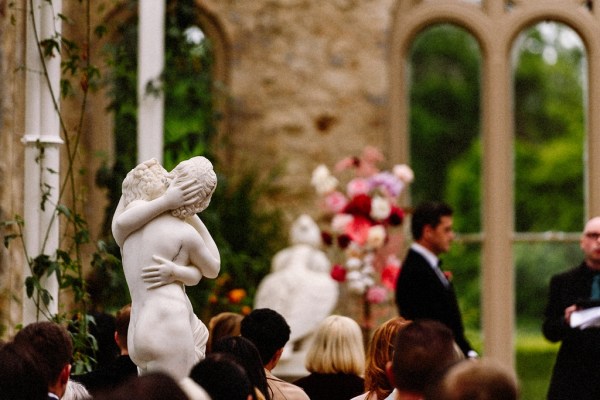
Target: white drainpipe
[151,60]
[42,131]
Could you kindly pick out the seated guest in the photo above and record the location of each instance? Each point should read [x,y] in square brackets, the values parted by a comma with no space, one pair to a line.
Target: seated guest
[222,325]
[20,377]
[247,356]
[336,361]
[151,386]
[51,346]
[222,377]
[115,373]
[379,353]
[476,380]
[269,332]
[422,351]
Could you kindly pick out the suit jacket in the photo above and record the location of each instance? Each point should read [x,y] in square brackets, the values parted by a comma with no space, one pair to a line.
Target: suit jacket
[420,294]
[282,390]
[108,377]
[576,373]
[331,386]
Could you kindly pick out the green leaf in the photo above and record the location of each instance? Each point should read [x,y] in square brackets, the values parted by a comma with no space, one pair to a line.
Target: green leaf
[29,286]
[46,297]
[8,238]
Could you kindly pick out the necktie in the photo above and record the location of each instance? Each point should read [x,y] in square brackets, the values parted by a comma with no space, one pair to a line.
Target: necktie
[444,280]
[596,288]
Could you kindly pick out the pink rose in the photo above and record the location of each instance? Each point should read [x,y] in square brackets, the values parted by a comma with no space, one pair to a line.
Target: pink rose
[335,202]
[357,186]
[376,294]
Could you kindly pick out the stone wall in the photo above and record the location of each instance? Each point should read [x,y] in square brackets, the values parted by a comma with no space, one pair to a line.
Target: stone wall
[11,161]
[308,85]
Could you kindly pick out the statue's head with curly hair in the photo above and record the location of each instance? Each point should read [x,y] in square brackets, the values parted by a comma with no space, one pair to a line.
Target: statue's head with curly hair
[147,181]
[201,170]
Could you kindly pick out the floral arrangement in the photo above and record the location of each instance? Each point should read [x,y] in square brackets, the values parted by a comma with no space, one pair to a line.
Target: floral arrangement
[361,219]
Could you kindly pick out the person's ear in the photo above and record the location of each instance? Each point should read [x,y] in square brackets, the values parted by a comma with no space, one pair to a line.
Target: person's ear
[427,229]
[389,373]
[64,374]
[118,341]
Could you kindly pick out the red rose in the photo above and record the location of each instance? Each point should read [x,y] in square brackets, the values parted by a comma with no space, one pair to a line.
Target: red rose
[359,205]
[326,238]
[389,276]
[338,273]
[343,241]
[448,275]
[396,216]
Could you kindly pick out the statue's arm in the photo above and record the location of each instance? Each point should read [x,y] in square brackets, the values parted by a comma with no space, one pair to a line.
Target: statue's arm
[167,271]
[204,256]
[127,220]
[199,226]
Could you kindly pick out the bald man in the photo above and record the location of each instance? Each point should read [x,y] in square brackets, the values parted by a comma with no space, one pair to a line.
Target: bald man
[576,374]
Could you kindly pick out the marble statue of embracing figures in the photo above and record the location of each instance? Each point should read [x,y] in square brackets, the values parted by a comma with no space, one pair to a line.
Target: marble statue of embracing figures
[165,247]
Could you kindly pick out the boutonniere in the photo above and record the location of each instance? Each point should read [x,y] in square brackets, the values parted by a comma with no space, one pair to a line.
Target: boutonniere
[448,275]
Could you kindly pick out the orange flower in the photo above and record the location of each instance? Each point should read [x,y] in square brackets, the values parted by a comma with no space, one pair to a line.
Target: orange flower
[236,295]
[212,299]
[246,310]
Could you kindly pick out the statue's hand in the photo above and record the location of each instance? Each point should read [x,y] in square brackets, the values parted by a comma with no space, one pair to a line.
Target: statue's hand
[181,192]
[160,274]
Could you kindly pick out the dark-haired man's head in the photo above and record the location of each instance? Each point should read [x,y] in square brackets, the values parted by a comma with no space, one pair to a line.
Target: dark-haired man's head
[222,377]
[269,332]
[51,346]
[422,351]
[20,376]
[246,354]
[431,226]
[122,327]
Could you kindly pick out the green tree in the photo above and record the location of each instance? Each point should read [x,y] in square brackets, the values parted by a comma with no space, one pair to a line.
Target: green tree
[246,231]
[549,123]
[444,96]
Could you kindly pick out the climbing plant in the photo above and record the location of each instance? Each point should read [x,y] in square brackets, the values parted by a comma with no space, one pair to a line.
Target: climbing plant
[78,78]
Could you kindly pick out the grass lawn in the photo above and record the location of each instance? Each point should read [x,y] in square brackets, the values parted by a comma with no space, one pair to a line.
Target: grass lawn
[534,360]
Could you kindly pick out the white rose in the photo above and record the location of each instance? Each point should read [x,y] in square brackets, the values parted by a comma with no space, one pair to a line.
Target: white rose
[368,270]
[404,173]
[356,286]
[369,258]
[352,264]
[376,236]
[322,180]
[380,208]
[353,276]
[368,281]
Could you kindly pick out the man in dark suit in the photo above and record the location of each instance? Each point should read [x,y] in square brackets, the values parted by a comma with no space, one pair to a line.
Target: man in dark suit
[122,368]
[422,290]
[576,374]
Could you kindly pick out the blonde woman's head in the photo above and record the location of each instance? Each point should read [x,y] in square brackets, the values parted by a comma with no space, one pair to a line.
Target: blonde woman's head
[337,347]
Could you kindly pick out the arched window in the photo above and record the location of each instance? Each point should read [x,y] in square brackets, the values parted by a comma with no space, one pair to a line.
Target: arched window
[495,25]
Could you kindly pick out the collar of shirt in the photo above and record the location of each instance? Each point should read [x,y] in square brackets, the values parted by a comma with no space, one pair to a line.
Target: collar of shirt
[428,255]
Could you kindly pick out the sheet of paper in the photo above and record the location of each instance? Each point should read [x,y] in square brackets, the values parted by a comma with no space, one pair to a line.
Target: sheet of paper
[586,318]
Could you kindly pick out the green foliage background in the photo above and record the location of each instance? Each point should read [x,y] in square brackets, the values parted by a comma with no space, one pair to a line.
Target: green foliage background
[549,169]
[246,231]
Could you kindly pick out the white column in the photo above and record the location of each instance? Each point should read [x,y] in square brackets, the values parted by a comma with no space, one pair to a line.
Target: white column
[42,136]
[151,56]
